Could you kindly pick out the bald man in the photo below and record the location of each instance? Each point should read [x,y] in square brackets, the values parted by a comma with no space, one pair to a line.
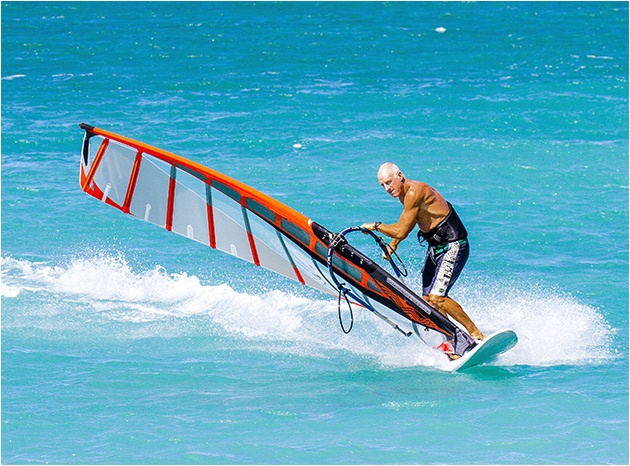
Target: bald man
[444,232]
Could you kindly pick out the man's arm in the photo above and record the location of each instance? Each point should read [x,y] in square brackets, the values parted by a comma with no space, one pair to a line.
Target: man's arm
[408,219]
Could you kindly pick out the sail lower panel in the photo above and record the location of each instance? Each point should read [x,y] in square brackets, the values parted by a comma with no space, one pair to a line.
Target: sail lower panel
[150,199]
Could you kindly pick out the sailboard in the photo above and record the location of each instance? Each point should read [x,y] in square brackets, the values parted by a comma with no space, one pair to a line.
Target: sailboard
[486,351]
[204,205]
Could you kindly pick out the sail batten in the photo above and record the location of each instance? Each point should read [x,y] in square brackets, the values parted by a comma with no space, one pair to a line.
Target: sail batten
[171,198]
[250,237]
[132,182]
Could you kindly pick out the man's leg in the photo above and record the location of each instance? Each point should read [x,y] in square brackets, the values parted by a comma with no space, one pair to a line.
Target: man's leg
[450,307]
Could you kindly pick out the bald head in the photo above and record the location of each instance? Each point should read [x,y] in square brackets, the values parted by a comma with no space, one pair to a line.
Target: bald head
[391,179]
[388,168]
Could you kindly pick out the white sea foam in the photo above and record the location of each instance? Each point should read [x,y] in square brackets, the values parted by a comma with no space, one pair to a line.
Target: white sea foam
[553,328]
[12,77]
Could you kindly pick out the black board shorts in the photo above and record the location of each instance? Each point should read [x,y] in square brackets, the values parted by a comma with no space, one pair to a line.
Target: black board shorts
[442,266]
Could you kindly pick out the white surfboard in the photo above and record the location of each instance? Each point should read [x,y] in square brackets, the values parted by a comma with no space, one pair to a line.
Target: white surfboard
[486,351]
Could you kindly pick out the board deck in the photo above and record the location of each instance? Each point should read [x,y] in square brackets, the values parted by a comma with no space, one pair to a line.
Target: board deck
[486,351]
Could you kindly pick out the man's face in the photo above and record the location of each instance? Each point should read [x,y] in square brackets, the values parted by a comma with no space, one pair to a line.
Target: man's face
[392,183]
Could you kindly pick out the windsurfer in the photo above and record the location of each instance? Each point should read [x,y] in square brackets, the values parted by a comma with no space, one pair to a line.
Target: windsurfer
[441,228]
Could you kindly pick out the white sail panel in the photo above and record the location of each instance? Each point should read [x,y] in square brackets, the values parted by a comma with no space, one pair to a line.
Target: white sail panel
[190,209]
[114,171]
[150,195]
[229,227]
[309,272]
[271,254]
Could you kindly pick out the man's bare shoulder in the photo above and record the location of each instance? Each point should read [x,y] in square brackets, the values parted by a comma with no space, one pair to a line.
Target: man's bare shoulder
[419,185]
[427,198]
[418,192]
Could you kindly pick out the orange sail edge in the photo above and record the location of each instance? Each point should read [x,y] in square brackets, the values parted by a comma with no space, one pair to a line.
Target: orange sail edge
[169,157]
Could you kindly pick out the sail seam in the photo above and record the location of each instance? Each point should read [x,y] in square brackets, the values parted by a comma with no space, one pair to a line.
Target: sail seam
[250,237]
[298,275]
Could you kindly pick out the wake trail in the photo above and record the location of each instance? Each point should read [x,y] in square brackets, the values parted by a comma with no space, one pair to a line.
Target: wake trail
[553,327]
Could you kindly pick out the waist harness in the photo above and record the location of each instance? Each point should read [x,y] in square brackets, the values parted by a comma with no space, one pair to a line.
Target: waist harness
[450,229]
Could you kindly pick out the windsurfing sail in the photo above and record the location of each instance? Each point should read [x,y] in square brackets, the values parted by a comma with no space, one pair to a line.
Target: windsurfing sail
[213,209]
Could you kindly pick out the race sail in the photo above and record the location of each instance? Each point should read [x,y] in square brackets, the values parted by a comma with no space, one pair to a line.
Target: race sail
[215,210]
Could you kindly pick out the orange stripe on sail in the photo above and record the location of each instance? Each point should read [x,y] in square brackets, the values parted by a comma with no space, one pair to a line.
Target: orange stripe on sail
[298,275]
[212,238]
[250,236]
[95,164]
[252,246]
[132,182]
[171,199]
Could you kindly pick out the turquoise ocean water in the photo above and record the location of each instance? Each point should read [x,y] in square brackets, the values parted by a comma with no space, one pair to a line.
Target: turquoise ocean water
[122,343]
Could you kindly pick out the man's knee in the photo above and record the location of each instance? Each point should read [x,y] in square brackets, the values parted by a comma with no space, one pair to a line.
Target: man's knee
[435,300]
